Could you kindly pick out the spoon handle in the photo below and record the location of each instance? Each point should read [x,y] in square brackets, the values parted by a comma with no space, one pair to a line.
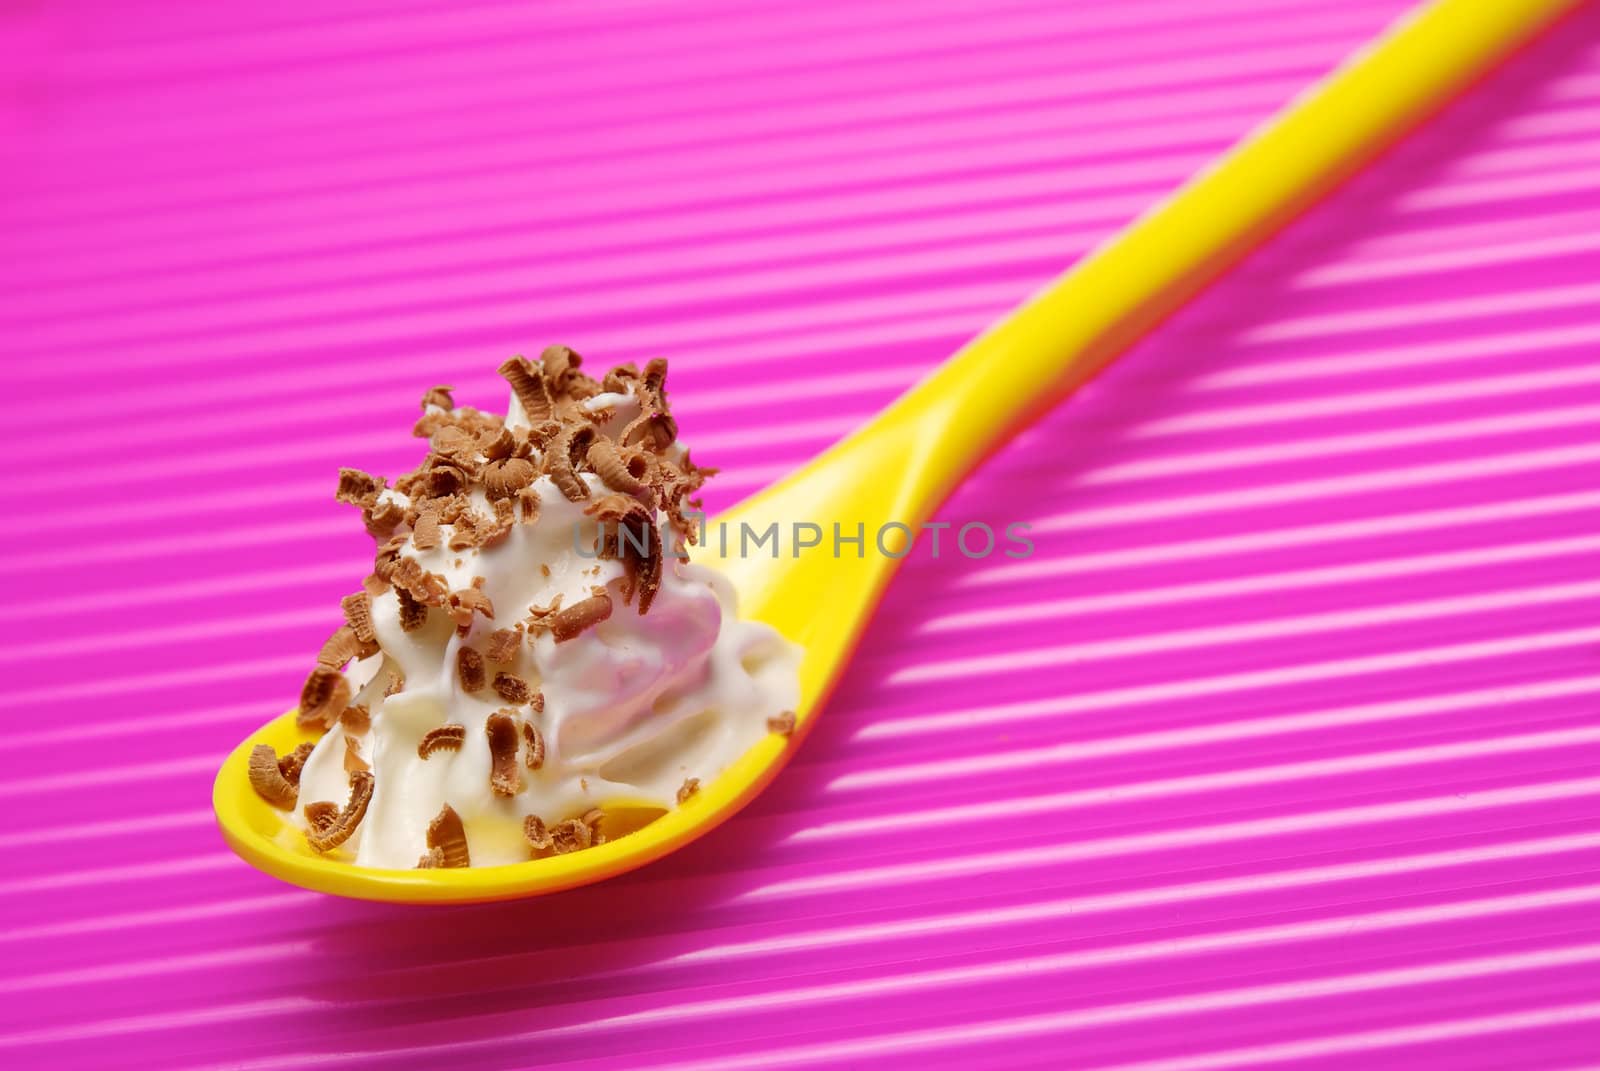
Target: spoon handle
[919,448]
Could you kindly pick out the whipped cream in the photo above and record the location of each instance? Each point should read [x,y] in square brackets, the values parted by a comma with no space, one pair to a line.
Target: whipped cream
[633,707]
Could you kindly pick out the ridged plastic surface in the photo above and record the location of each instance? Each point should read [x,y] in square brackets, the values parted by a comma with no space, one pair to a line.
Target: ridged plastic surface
[1282,748]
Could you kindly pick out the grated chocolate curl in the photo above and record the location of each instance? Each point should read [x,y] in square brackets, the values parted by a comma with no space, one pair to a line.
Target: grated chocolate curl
[511,688]
[357,610]
[413,614]
[528,501]
[535,741]
[562,460]
[581,615]
[323,698]
[320,815]
[266,777]
[529,387]
[356,717]
[469,667]
[504,644]
[357,488]
[338,649]
[443,738]
[571,836]
[353,762]
[448,836]
[425,587]
[504,779]
[624,472]
[291,764]
[503,479]
[538,837]
[339,829]
[425,533]
[468,601]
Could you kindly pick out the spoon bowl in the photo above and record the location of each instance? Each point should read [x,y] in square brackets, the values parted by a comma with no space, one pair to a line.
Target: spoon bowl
[898,468]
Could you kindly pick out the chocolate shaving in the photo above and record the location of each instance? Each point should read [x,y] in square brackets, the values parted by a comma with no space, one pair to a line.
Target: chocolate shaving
[620,379]
[529,387]
[612,509]
[323,698]
[413,614]
[592,818]
[621,472]
[538,837]
[535,742]
[266,777]
[338,831]
[572,621]
[539,616]
[445,477]
[409,576]
[465,534]
[442,738]
[690,786]
[628,531]
[439,396]
[353,762]
[469,667]
[295,761]
[432,859]
[468,601]
[556,362]
[464,417]
[645,570]
[504,779]
[505,517]
[654,426]
[455,444]
[511,688]
[357,488]
[427,588]
[388,556]
[562,460]
[528,503]
[425,532]
[321,814]
[358,615]
[502,479]
[783,724]
[571,836]
[339,648]
[449,837]
[356,717]
[498,444]
[451,508]
[503,644]
[382,518]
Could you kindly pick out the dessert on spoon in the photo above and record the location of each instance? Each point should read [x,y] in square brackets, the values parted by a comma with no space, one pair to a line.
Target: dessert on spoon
[529,645]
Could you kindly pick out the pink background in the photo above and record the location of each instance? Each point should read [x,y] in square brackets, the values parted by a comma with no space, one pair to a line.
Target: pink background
[1283,748]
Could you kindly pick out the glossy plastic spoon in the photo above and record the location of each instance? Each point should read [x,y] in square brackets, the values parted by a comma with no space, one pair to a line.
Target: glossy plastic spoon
[900,467]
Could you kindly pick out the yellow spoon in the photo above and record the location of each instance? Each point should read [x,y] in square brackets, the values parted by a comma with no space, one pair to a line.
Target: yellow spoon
[901,466]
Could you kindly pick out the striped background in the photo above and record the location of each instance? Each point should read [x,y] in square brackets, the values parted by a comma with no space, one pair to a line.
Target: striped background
[1282,749]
